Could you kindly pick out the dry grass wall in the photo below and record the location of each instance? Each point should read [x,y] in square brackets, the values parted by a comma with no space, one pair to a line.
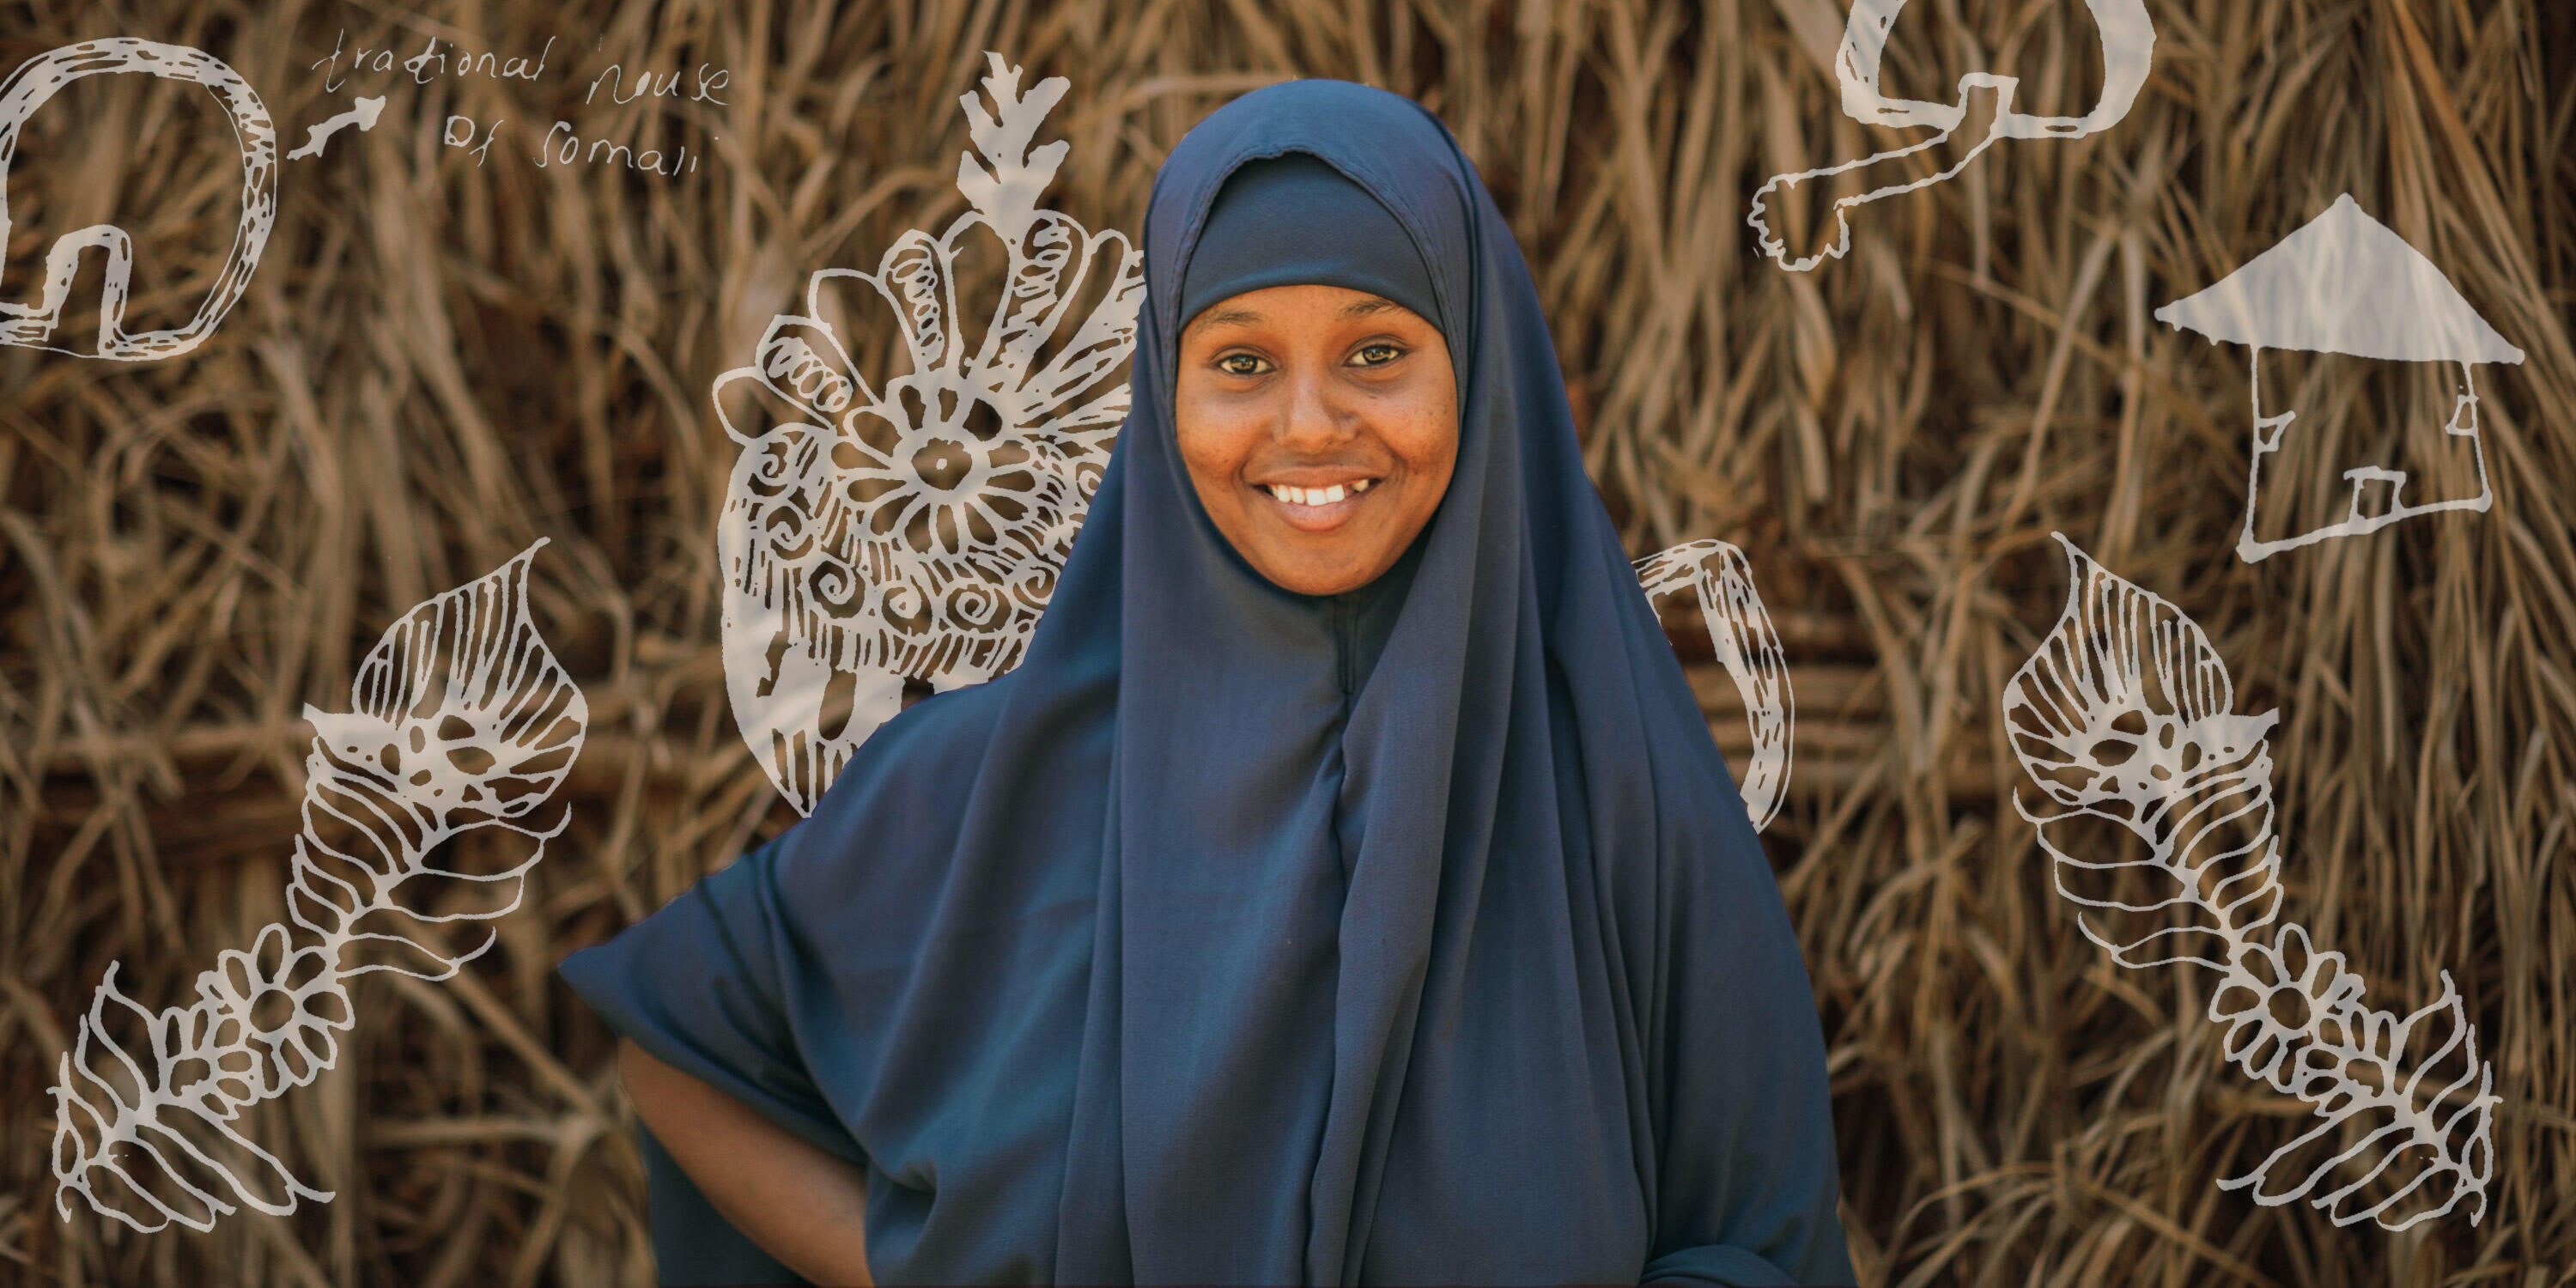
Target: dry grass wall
[444,357]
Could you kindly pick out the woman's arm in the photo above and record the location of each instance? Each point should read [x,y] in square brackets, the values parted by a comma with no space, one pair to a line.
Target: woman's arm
[805,1207]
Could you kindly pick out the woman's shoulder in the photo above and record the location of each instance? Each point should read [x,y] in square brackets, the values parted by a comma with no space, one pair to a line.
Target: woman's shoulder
[863,873]
[920,761]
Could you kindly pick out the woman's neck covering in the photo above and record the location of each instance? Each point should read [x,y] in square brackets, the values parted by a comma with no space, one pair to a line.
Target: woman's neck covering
[1293,220]
[1201,950]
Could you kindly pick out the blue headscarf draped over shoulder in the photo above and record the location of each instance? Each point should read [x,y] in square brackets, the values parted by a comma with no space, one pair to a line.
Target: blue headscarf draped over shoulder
[1415,935]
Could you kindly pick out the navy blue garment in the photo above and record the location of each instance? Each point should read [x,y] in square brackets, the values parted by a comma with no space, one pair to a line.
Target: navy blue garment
[1412,936]
[1293,220]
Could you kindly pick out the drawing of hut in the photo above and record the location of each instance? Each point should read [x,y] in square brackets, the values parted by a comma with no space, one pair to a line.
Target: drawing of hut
[31,86]
[2347,284]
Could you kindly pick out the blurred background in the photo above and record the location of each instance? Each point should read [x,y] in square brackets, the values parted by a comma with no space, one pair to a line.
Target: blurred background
[446,354]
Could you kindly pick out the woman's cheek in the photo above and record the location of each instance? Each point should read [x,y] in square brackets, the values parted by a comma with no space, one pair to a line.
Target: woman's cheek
[1430,444]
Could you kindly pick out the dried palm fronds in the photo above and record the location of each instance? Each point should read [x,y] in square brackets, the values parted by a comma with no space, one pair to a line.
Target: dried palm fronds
[446,354]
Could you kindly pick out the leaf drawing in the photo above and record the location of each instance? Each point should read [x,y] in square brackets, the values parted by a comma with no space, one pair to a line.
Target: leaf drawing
[1720,579]
[874,535]
[2125,716]
[460,719]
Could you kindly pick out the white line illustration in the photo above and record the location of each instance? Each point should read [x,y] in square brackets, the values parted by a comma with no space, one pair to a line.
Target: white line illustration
[460,719]
[915,533]
[1718,576]
[2125,717]
[362,113]
[38,80]
[2128,47]
[2346,283]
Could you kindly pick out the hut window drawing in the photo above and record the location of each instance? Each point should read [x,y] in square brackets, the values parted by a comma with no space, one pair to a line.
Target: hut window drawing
[2128,49]
[2346,284]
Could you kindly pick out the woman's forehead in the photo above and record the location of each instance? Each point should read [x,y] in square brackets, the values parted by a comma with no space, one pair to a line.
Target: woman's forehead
[1300,302]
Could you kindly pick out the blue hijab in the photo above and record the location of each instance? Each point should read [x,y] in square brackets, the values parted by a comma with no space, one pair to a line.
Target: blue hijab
[1415,935]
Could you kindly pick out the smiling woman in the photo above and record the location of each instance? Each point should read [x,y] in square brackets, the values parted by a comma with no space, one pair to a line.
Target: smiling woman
[1316,407]
[1319,425]
[1345,889]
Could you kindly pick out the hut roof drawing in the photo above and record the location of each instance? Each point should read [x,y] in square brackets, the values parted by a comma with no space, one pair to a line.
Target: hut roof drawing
[2345,283]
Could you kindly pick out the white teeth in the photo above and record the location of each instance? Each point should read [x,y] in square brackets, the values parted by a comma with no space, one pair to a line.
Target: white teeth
[1320,495]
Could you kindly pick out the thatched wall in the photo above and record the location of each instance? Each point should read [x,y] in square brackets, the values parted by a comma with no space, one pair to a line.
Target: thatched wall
[444,357]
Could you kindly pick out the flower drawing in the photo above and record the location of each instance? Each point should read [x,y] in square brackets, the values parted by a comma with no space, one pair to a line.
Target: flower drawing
[460,719]
[912,529]
[2274,998]
[2125,714]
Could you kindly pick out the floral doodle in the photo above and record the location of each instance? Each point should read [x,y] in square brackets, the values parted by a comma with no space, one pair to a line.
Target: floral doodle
[2125,716]
[915,533]
[461,719]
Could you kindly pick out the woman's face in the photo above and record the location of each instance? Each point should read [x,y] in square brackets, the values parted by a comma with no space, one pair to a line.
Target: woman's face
[1320,426]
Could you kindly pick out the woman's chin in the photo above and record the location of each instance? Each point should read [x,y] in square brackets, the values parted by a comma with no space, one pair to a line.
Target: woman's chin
[1321,573]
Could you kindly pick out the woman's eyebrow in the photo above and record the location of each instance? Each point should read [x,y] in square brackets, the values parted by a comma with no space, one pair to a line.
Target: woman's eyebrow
[1373,304]
[1221,317]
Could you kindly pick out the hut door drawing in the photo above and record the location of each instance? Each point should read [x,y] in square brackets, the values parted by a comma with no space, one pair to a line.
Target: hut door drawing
[37,81]
[2346,284]
[2128,48]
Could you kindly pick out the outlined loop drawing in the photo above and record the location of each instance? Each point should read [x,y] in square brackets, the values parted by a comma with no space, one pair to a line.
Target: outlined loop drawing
[460,719]
[913,532]
[2125,719]
[2346,283]
[1748,646]
[2128,48]
[34,83]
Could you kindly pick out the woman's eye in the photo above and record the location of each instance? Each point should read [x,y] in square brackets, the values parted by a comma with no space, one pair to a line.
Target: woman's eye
[1240,364]
[1376,355]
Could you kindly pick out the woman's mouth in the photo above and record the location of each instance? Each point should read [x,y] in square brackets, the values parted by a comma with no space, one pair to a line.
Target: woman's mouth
[1317,509]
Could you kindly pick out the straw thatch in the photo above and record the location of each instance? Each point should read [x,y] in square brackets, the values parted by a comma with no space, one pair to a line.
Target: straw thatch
[443,357]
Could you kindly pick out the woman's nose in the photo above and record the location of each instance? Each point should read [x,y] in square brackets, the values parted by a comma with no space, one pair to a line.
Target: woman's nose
[1314,418]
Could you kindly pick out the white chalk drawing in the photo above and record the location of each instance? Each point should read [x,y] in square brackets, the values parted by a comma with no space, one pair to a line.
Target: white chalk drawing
[2345,283]
[2125,716]
[2128,46]
[870,537]
[1718,576]
[460,719]
[362,113]
[38,80]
